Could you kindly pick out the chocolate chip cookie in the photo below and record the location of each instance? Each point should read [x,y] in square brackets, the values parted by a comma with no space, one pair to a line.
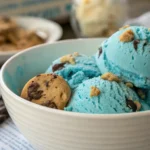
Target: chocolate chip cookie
[24,39]
[49,90]
[15,37]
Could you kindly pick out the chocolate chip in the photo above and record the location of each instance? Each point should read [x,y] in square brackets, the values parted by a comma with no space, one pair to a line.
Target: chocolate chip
[50,104]
[37,95]
[61,94]
[47,83]
[58,67]
[100,52]
[135,43]
[33,87]
[33,92]
[55,76]
[142,93]
[131,105]
[145,43]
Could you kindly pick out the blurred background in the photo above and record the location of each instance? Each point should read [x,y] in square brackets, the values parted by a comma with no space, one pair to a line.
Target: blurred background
[84,14]
[64,19]
[26,23]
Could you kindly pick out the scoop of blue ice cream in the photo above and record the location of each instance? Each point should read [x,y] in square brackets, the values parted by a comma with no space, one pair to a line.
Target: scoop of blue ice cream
[131,59]
[113,98]
[84,68]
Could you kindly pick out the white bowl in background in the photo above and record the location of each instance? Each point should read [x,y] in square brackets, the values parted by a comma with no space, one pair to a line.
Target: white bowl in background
[52,29]
[50,129]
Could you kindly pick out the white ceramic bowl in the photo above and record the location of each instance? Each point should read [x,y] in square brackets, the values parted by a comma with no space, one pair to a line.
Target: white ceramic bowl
[50,129]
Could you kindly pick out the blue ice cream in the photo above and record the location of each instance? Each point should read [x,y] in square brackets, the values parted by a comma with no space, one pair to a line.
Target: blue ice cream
[127,54]
[112,98]
[75,68]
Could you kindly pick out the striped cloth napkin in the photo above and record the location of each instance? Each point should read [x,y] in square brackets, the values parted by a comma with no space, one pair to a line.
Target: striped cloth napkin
[3,112]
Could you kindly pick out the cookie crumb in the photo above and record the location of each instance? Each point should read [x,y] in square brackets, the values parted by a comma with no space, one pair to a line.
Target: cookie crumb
[127,36]
[124,27]
[68,59]
[129,84]
[75,54]
[138,105]
[58,67]
[110,77]
[94,91]
[135,44]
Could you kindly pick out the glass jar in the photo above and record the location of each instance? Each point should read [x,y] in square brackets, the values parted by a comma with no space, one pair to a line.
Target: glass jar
[98,18]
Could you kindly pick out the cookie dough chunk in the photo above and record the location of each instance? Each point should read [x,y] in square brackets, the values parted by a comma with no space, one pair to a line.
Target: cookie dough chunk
[127,36]
[110,77]
[94,91]
[49,90]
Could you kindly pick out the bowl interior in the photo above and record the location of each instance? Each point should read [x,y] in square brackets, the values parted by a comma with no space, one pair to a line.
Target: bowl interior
[27,64]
